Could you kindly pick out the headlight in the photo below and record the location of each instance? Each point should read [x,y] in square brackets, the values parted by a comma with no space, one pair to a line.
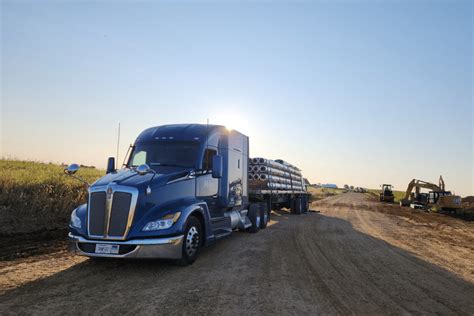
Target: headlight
[75,220]
[164,223]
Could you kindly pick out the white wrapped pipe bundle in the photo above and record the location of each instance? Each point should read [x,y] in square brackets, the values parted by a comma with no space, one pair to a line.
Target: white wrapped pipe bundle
[273,171]
[287,164]
[278,173]
[293,168]
[278,165]
[265,174]
[278,186]
[273,185]
[270,178]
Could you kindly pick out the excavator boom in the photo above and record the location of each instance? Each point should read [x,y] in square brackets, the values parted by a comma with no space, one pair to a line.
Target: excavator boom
[420,184]
[437,198]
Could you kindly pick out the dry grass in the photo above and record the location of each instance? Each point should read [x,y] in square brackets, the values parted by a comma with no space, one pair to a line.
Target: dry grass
[37,196]
[398,195]
[321,193]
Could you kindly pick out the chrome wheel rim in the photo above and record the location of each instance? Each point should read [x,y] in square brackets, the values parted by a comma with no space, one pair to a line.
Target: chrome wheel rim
[192,241]
[257,221]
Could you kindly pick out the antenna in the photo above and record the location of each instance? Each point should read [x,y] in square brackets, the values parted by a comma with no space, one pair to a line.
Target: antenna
[118,142]
[207,132]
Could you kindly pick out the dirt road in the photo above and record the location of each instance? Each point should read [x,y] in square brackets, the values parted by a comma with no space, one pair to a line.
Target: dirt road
[354,257]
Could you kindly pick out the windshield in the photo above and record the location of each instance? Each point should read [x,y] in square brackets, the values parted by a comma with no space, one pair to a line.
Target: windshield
[165,153]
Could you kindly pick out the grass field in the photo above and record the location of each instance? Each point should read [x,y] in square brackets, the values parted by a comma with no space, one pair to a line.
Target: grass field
[321,193]
[36,196]
[397,194]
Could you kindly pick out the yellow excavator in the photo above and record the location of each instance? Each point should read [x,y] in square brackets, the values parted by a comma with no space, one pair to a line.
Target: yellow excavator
[437,199]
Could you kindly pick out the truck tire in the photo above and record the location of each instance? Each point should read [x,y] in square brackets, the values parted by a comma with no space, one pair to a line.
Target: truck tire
[192,241]
[254,216]
[296,206]
[264,215]
[299,205]
[292,206]
[305,204]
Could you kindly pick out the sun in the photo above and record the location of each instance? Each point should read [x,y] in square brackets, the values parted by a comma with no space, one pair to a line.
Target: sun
[232,121]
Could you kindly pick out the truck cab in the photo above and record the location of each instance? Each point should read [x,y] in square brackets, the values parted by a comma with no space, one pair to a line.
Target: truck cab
[183,186]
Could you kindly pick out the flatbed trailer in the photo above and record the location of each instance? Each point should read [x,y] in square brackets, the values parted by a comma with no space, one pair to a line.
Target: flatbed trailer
[297,202]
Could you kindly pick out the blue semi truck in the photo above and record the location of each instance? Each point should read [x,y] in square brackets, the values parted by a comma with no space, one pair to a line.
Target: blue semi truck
[182,187]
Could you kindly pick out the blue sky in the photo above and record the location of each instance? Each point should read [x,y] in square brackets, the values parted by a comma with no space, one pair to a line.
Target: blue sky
[358,92]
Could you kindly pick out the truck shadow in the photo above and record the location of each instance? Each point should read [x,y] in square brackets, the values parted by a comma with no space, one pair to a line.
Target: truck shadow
[107,286]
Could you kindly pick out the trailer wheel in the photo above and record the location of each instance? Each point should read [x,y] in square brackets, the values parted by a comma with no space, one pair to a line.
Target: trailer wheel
[254,216]
[305,204]
[296,206]
[192,241]
[264,215]
[292,206]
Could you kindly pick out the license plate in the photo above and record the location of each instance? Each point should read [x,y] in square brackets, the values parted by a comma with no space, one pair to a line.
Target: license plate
[107,249]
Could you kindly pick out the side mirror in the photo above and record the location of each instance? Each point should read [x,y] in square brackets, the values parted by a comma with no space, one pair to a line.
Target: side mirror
[143,169]
[110,165]
[217,166]
[71,169]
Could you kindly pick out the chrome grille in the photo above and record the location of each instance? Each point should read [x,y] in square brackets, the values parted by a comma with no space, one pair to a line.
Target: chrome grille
[119,214]
[110,212]
[97,213]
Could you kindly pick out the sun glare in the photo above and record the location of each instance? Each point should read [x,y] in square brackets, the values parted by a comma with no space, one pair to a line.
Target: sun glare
[232,121]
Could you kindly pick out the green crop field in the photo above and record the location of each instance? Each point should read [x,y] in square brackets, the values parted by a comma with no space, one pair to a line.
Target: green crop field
[36,196]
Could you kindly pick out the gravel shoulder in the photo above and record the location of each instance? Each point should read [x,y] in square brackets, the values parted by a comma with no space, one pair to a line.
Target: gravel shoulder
[355,256]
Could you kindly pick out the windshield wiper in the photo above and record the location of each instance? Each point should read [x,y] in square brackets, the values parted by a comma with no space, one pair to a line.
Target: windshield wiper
[168,165]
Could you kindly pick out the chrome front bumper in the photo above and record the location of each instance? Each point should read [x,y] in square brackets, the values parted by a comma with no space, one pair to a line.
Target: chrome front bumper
[165,248]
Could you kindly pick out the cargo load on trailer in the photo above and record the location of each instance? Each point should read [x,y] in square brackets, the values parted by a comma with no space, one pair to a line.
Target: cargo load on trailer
[274,175]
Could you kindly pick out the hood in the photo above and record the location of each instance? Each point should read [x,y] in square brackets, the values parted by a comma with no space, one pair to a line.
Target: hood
[130,178]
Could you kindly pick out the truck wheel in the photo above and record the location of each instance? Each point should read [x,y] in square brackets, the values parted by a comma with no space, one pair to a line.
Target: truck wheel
[192,241]
[296,206]
[254,216]
[264,216]
[299,205]
[292,206]
[305,205]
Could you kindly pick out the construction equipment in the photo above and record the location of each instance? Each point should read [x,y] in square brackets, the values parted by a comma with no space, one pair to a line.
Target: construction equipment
[437,199]
[387,194]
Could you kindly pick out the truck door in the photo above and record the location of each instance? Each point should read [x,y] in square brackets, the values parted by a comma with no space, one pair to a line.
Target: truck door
[207,187]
